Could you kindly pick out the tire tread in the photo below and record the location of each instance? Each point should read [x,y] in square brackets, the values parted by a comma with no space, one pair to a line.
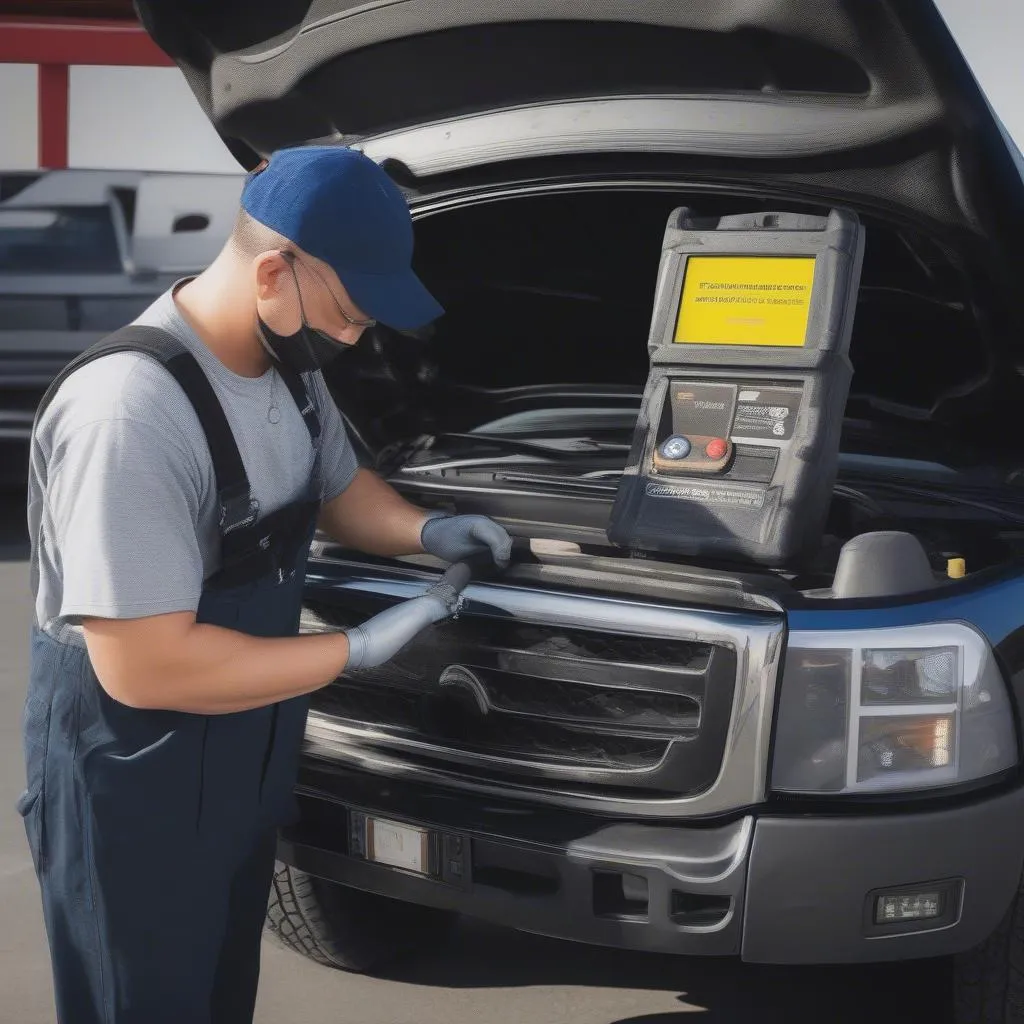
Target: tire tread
[345,928]
[989,979]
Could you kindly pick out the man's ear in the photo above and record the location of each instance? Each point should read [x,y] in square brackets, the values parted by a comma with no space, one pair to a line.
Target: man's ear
[270,269]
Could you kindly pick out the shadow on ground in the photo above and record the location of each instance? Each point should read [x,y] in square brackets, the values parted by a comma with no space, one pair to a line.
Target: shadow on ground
[726,991]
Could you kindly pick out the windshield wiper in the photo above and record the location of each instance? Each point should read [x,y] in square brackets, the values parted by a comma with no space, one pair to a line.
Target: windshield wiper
[584,451]
[548,445]
[583,483]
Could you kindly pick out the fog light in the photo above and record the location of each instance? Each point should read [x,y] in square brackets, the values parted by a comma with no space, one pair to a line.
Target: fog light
[924,907]
[917,906]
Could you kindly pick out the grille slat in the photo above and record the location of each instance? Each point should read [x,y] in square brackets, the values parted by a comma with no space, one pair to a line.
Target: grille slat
[508,738]
[543,641]
[559,663]
[563,700]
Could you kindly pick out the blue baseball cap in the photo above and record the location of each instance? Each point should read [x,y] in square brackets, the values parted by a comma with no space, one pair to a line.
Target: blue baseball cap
[339,206]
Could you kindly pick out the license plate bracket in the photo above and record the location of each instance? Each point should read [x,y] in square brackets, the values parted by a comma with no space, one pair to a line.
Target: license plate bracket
[397,845]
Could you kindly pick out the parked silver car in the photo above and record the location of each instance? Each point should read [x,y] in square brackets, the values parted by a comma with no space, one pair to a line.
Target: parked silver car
[82,253]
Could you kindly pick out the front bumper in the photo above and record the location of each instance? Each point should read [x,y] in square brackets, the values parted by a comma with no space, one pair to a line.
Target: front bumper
[768,888]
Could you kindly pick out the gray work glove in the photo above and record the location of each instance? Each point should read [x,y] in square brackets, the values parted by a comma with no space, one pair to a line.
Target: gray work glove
[458,538]
[379,639]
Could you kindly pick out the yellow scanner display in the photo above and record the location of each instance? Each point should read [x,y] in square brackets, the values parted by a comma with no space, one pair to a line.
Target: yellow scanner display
[745,300]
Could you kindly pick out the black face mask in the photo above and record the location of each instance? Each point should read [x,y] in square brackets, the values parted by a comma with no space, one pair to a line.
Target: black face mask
[306,350]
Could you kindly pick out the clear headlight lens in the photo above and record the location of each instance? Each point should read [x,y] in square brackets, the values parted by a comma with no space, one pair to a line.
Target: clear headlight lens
[895,709]
[910,676]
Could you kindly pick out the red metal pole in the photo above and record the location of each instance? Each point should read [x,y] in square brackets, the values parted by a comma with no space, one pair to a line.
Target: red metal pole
[53,116]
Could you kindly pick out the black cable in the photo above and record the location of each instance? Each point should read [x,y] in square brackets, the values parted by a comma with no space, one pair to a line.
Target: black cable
[949,497]
[859,498]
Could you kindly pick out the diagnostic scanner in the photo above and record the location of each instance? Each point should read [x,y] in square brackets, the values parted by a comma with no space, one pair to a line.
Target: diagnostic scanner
[736,446]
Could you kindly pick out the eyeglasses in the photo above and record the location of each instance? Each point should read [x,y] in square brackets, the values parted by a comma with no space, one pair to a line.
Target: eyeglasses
[291,260]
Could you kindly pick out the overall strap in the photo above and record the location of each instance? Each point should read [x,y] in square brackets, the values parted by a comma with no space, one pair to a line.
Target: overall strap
[237,507]
[302,400]
[293,381]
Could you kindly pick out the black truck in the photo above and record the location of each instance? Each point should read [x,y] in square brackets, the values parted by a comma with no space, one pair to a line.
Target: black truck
[617,745]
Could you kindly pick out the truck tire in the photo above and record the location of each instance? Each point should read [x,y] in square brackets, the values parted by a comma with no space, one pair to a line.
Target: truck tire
[346,928]
[989,980]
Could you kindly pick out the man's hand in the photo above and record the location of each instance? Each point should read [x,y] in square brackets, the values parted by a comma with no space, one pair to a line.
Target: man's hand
[370,515]
[458,538]
[379,639]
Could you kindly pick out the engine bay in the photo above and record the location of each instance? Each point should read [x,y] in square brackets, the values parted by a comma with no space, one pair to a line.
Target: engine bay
[522,402]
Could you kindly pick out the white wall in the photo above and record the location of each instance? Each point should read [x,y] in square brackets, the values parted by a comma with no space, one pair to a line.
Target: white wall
[140,119]
[19,120]
[989,34]
[122,118]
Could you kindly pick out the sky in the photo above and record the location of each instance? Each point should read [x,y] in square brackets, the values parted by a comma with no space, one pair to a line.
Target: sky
[990,34]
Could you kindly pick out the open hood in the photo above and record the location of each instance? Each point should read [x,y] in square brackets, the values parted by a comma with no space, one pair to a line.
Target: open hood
[725,80]
[859,85]
[799,76]
[867,103]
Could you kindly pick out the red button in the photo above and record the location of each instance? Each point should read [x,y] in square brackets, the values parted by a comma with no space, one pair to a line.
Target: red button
[716,449]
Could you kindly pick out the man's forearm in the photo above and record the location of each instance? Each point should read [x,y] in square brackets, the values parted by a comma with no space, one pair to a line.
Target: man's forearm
[170,663]
[222,671]
[371,516]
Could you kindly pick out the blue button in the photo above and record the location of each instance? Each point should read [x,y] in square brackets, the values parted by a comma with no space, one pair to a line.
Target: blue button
[676,447]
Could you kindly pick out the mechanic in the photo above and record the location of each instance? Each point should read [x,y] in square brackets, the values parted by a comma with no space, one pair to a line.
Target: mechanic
[178,474]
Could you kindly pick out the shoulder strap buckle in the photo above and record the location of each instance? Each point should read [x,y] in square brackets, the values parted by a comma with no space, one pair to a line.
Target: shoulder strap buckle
[238,508]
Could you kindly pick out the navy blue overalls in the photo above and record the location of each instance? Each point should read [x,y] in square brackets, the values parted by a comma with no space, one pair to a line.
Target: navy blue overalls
[153,832]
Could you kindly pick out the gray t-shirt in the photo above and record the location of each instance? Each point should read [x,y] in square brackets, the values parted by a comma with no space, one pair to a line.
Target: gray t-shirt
[122,508]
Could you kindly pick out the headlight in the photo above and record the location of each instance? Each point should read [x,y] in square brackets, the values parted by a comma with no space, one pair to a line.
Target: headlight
[906,708]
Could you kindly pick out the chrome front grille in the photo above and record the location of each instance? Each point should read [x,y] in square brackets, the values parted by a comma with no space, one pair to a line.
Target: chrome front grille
[569,697]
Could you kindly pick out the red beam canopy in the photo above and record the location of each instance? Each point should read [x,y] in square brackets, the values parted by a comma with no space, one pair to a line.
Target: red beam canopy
[102,32]
[37,40]
[123,10]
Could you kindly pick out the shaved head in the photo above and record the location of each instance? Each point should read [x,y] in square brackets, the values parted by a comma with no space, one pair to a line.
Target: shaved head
[253,282]
[249,238]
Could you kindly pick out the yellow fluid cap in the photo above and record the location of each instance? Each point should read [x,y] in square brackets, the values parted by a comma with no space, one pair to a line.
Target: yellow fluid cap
[956,568]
